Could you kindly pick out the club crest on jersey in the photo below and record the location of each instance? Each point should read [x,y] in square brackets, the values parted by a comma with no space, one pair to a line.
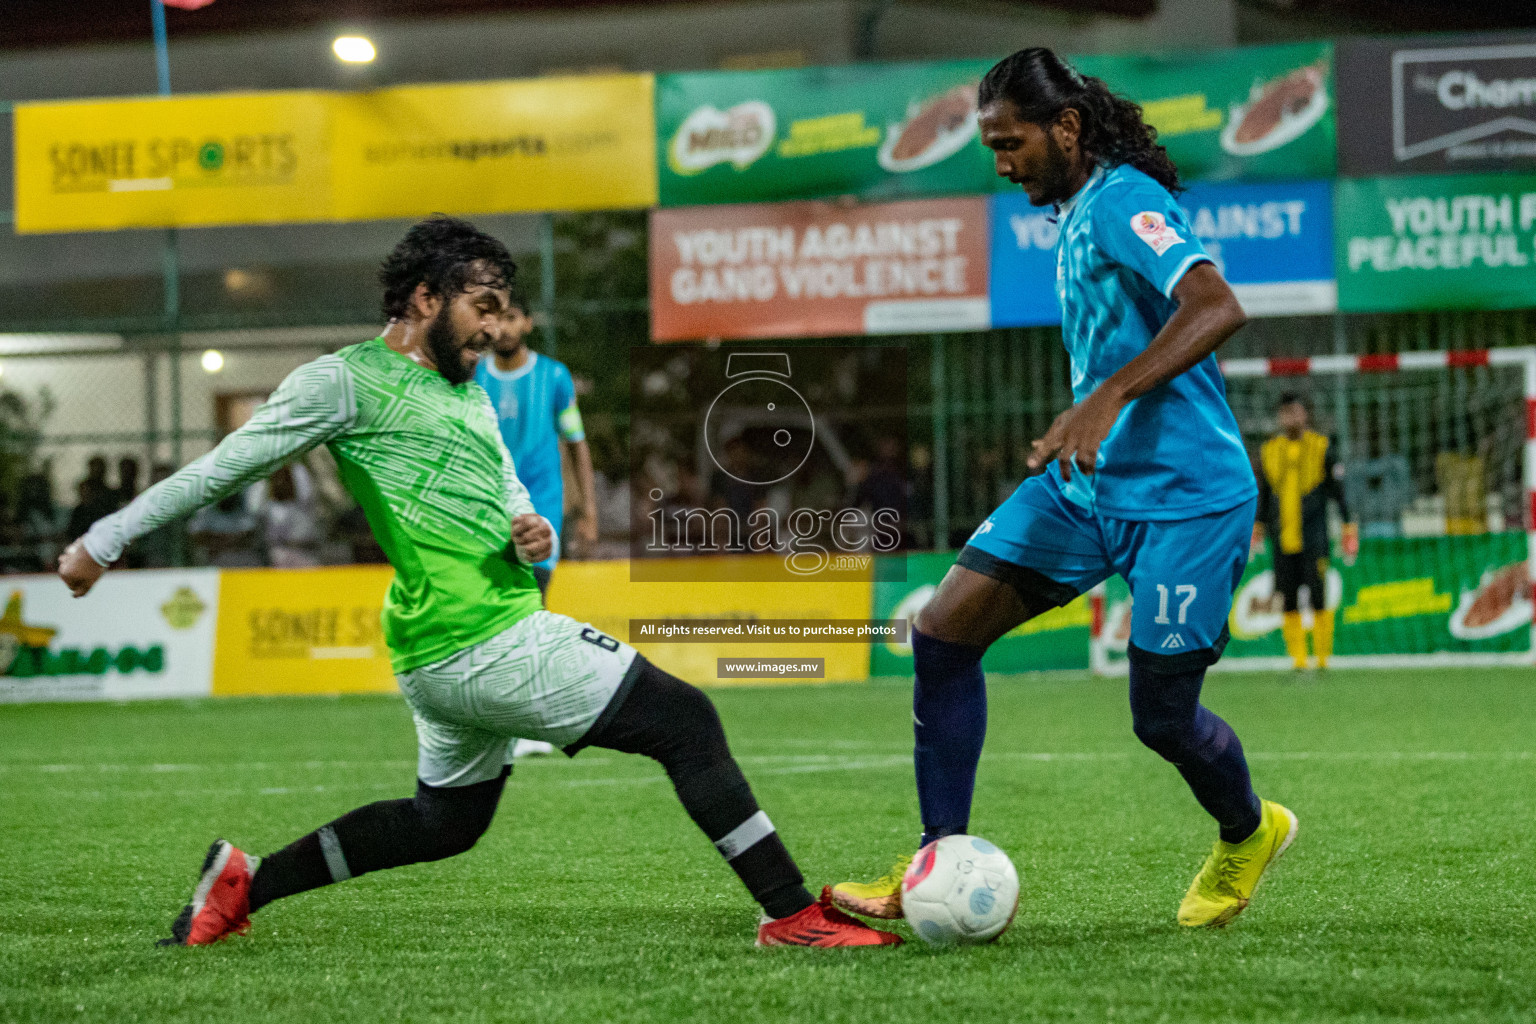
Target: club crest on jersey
[1151,228]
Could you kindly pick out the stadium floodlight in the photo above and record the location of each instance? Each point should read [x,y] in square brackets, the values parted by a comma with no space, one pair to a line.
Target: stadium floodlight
[213,361]
[354,49]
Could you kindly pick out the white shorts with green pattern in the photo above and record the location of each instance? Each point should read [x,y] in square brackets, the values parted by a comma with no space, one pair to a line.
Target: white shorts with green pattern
[546,677]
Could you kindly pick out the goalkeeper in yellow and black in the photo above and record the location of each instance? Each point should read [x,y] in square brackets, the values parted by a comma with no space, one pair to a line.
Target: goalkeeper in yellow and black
[1299,473]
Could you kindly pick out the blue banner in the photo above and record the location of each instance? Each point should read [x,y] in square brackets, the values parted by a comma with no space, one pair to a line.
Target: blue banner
[1273,241]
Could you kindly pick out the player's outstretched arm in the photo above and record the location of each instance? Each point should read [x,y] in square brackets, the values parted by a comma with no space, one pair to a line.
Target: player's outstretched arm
[1207,315]
[312,406]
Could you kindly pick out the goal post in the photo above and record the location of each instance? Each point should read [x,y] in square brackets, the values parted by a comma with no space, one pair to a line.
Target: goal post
[1438,454]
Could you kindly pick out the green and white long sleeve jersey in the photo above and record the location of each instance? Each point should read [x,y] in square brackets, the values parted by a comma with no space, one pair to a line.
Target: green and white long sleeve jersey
[422,457]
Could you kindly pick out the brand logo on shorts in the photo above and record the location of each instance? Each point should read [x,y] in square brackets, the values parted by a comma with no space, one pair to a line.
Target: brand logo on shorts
[1173,642]
[1151,228]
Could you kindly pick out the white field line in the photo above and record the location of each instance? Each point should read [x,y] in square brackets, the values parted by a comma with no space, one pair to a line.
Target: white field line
[785,764]
[791,762]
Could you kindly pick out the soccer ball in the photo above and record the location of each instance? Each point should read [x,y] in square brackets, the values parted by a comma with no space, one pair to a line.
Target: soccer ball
[960,890]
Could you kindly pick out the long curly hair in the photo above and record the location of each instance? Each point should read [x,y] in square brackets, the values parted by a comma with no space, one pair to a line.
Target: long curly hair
[448,255]
[1041,85]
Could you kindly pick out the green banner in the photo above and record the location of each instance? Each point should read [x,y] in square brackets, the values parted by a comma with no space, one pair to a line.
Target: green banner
[1055,640]
[1256,112]
[892,131]
[1452,241]
[1403,596]
[876,131]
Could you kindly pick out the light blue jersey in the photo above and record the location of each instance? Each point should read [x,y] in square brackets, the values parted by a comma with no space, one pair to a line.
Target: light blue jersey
[1175,452]
[536,409]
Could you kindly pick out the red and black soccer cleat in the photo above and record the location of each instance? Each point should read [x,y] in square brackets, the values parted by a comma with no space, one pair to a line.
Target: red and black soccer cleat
[822,924]
[221,904]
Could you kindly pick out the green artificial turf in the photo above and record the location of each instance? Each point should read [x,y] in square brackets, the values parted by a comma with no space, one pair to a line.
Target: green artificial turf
[1408,896]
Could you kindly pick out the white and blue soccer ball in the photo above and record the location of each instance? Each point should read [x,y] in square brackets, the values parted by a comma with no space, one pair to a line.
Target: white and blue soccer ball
[960,890]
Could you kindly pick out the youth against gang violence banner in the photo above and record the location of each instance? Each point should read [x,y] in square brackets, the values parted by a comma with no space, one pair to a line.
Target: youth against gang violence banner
[577,143]
[1447,103]
[1436,242]
[816,269]
[1272,241]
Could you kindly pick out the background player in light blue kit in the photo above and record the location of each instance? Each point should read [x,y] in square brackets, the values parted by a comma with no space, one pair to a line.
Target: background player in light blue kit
[1145,476]
[535,404]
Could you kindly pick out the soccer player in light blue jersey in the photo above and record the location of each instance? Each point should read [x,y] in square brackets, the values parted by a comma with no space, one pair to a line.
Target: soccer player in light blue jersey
[535,404]
[1145,475]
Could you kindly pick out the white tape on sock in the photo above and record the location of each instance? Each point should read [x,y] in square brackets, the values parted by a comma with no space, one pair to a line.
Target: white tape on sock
[745,836]
[334,859]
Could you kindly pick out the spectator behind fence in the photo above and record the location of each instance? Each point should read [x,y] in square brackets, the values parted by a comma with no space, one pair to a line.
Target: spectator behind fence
[165,546]
[224,534]
[96,499]
[36,513]
[127,480]
[285,510]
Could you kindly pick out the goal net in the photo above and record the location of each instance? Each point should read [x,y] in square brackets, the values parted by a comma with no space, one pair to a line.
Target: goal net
[1438,451]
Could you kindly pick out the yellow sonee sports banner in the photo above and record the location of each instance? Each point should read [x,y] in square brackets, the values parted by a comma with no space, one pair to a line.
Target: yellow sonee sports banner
[301,631]
[571,143]
[251,158]
[577,143]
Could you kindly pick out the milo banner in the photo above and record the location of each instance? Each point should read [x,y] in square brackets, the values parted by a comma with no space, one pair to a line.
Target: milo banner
[1436,242]
[1272,240]
[795,270]
[1256,112]
[1055,640]
[876,131]
[136,635]
[1410,596]
[1442,103]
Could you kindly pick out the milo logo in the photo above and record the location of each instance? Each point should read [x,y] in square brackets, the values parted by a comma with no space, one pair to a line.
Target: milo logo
[711,136]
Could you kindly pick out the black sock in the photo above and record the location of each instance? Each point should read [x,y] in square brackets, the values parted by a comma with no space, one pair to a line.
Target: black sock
[1168,717]
[436,823]
[664,718]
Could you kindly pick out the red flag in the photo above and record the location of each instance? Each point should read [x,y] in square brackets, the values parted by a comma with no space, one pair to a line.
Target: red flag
[187,5]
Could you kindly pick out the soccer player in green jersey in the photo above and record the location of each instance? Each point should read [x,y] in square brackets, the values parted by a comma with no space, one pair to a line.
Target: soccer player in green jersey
[478,658]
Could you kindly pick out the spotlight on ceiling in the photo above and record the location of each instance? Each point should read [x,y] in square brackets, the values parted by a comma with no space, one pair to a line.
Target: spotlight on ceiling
[354,49]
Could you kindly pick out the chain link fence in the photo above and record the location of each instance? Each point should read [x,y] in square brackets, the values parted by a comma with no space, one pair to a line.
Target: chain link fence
[134,351]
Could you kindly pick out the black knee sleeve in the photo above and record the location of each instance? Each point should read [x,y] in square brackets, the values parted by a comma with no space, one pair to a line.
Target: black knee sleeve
[438,822]
[664,718]
[677,725]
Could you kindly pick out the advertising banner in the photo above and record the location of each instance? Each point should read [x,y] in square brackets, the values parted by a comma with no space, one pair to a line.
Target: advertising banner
[1255,112]
[578,143]
[875,131]
[136,635]
[1449,103]
[1461,595]
[1056,640]
[241,158]
[814,269]
[1273,241]
[1436,242]
[602,593]
[287,631]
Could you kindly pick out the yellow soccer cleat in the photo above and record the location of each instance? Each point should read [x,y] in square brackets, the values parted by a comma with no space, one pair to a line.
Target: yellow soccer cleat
[1226,882]
[880,898]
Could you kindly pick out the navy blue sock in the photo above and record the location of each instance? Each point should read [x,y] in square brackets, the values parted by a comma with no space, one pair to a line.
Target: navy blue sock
[949,711]
[1168,717]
